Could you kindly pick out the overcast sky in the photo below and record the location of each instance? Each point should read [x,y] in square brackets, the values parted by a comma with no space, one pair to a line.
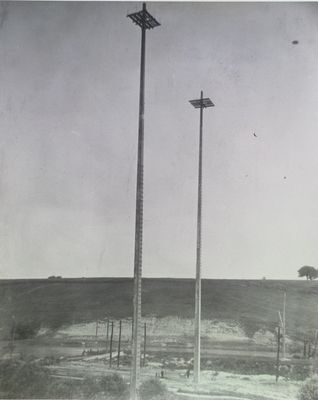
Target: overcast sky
[69,76]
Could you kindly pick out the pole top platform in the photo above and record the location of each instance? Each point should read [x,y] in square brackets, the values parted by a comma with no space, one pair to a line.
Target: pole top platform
[202,103]
[144,19]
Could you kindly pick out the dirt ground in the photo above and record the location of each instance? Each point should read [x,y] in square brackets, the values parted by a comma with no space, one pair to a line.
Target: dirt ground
[228,360]
[213,383]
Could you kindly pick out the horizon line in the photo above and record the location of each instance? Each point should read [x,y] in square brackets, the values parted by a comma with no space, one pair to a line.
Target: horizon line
[60,278]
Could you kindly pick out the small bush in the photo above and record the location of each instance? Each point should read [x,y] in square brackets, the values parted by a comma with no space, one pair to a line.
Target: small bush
[27,380]
[90,387]
[309,390]
[249,327]
[60,389]
[300,372]
[237,365]
[23,380]
[114,385]
[110,386]
[153,389]
[26,330]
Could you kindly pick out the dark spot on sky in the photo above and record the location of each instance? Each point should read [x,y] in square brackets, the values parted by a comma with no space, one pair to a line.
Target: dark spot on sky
[295,42]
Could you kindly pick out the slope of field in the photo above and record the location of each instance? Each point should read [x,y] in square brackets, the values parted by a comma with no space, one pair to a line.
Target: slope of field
[252,303]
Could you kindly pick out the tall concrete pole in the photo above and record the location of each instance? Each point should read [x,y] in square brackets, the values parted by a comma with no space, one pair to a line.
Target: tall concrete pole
[197,315]
[201,103]
[135,367]
[145,21]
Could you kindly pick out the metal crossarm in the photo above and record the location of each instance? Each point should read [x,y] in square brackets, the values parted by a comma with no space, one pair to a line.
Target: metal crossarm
[144,19]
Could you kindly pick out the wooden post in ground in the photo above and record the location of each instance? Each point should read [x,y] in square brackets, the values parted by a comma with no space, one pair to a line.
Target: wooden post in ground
[145,344]
[12,336]
[96,336]
[111,344]
[315,343]
[107,336]
[314,354]
[278,352]
[132,329]
[119,343]
[284,327]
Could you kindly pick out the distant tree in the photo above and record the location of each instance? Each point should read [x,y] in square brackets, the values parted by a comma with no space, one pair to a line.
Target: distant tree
[26,330]
[309,272]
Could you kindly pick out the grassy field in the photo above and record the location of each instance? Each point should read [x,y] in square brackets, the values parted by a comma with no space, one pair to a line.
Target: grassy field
[252,303]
